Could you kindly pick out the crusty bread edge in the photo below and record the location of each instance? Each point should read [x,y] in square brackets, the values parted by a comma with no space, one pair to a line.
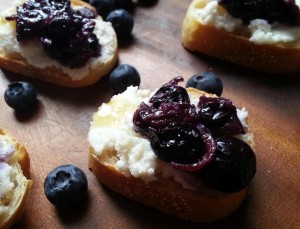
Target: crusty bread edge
[18,64]
[54,75]
[20,208]
[167,195]
[275,59]
[24,161]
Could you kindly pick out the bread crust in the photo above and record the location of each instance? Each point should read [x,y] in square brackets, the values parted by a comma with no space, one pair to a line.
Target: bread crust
[202,206]
[19,209]
[23,190]
[17,64]
[236,48]
[168,196]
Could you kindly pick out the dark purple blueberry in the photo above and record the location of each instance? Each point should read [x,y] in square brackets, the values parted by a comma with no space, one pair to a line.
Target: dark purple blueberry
[34,16]
[103,7]
[170,92]
[167,115]
[170,106]
[123,76]
[64,33]
[284,11]
[206,81]
[66,185]
[124,4]
[20,95]
[177,144]
[206,155]
[233,165]
[70,38]
[220,116]
[122,22]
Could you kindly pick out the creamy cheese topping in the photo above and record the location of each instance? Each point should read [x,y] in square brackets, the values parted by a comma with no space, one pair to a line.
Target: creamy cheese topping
[112,131]
[115,133]
[261,32]
[6,151]
[265,33]
[34,54]
[211,14]
[6,184]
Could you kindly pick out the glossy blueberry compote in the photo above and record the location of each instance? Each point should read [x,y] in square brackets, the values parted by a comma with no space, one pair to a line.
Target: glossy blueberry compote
[64,33]
[190,137]
[284,11]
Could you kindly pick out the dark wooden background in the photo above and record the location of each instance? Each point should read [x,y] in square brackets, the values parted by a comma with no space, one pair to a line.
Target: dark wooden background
[56,132]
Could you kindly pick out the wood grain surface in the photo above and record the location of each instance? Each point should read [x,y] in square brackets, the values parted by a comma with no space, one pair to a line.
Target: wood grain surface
[56,132]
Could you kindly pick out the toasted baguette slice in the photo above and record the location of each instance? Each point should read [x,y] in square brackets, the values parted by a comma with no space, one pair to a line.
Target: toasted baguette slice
[13,60]
[235,46]
[200,204]
[15,185]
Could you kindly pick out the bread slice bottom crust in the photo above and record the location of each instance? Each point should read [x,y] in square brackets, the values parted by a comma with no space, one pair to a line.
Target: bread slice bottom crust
[20,193]
[234,48]
[167,195]
[54,75]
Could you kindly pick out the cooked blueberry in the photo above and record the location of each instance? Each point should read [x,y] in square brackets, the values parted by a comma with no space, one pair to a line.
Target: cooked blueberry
[233,165]
[65,185]
[167,115]
[206,81]
[123,76]
[284,11]
[170,92]
[20,95]
[103,7]
[177,144]
[220,116]
[121,21]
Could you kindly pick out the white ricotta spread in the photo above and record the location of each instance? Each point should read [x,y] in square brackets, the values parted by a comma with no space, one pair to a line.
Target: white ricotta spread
[34,54]
[265,33]
[211,14]
[6,151]
[261,32]
[116,134]
[6,171]
[112,130]
[6,184]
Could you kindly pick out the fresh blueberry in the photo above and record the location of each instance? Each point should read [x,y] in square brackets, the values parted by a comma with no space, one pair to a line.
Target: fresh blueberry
[122,22]
[123,76]
[103,7]
[65,185]
[20,95]
[206,81]
[124,4]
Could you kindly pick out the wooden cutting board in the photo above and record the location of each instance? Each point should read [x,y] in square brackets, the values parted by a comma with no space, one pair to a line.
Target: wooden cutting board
[56,132]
